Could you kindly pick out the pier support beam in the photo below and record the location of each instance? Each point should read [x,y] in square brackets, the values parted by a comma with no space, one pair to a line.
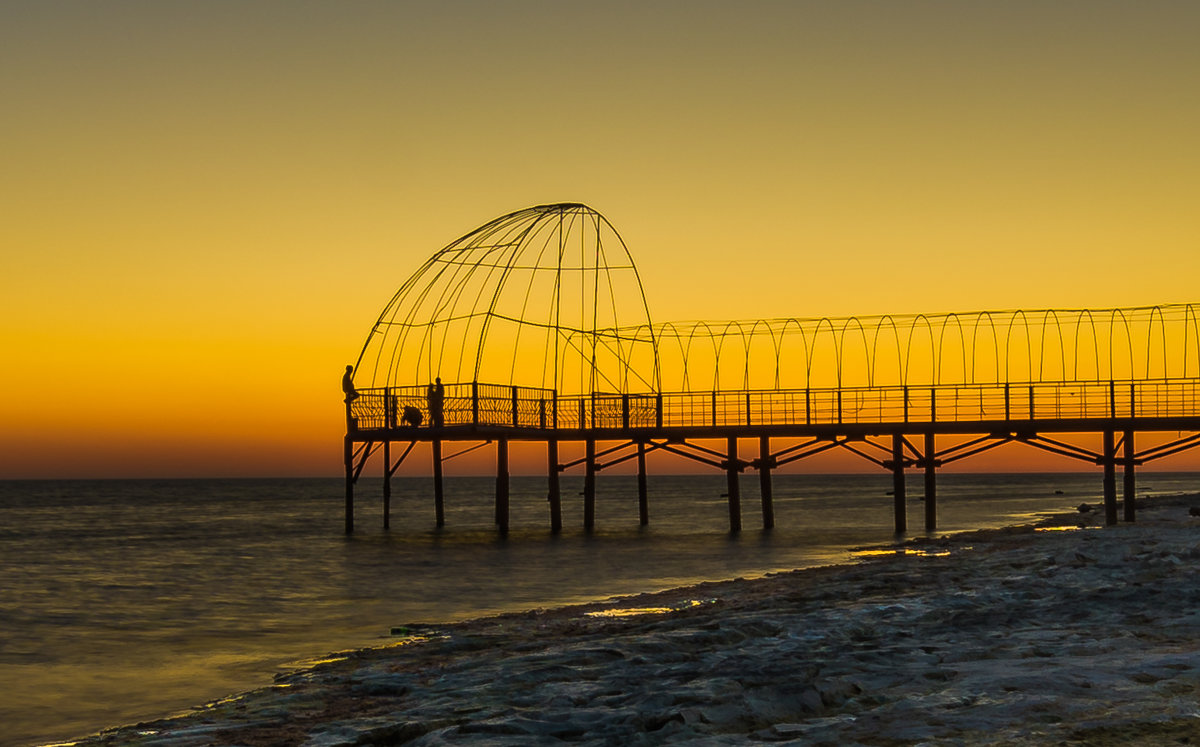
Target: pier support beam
[643,498]
[439,506]
[1129,479]
[1110,479]
[930,484]
[764,481]
[735,496]
[589,485]
[898,498]
[502,485]
[348,455]
[554,494]
[387,485]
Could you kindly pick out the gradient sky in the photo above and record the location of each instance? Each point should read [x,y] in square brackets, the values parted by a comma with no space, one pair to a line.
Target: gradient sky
[207,204]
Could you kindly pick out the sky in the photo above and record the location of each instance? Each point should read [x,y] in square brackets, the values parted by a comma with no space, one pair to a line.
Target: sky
[207,204]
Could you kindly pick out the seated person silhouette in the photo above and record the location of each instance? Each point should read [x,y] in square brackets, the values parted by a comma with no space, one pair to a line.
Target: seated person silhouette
[412,417]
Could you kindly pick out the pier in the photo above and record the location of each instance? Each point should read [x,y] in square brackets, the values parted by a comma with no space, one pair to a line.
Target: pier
[540,329]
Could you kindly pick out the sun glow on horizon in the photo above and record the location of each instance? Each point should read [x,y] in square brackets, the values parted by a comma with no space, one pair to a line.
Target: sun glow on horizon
[210,205]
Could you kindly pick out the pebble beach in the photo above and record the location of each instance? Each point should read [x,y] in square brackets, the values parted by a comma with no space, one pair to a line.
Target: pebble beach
[1060,632]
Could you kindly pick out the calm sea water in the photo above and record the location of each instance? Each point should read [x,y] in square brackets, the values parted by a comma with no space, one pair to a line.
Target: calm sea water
[128,600]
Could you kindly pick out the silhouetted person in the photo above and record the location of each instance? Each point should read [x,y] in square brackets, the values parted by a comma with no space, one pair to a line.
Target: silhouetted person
[412,416]
[437,399]
[348,385]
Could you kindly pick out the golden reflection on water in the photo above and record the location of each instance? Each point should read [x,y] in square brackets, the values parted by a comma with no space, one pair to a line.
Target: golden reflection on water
[635,611]
[904,551]
[1062,529]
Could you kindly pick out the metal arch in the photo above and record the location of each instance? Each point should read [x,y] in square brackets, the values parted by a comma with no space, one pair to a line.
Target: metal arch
[674,335]
[1079,314]
[754,333]
[875,349]
[1156,310]
[933,347]
[1112,369]
[782,341]
[1189,310]
[962,339]
[862,333]
[1008,346]
[816,342]
[1062,356]
[975,348]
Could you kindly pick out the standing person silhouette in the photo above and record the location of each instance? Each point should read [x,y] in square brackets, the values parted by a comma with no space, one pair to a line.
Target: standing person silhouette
[348,385]
[437,399]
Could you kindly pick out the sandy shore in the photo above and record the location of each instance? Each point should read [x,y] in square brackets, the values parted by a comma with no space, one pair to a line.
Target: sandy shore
[1049,635]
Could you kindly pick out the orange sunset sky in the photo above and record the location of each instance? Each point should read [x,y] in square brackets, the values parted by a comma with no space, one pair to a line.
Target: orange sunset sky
[207,204]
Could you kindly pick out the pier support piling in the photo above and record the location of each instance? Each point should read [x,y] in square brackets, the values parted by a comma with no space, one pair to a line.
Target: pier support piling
[439,507]
[1129,480]
[930,484]
[735,496]
[643,498]
[589,486]
[502,485]
[554,494]
[764,482]
[898,498]
[1110,479]
[348,454]
[387,485]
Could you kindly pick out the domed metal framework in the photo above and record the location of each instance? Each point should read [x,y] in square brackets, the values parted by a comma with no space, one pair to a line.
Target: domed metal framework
[541,298]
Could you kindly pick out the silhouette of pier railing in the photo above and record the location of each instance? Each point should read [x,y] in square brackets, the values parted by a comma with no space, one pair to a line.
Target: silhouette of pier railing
[539,321]
[529,412]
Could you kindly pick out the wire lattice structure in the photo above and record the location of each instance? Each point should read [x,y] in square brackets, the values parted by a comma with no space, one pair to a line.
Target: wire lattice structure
[544,298]
[549,299]
[984,347]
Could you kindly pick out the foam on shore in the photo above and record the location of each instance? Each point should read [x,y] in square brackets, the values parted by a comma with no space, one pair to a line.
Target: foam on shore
[1011,636]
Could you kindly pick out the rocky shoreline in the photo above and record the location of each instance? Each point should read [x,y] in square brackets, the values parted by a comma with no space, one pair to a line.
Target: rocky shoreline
[1064,632]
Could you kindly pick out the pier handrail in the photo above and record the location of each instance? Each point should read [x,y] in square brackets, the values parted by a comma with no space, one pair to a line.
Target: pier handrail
[503,406]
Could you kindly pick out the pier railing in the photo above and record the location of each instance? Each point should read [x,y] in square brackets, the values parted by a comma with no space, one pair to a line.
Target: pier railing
[479,404]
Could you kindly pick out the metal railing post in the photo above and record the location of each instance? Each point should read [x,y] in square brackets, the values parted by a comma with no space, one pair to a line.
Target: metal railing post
[475,403]
[516,419]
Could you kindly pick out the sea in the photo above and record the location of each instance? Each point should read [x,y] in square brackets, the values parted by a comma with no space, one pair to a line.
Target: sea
[128,600]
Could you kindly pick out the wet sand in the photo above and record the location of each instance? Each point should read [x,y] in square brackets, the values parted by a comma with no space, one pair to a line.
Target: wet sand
[1062,633]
